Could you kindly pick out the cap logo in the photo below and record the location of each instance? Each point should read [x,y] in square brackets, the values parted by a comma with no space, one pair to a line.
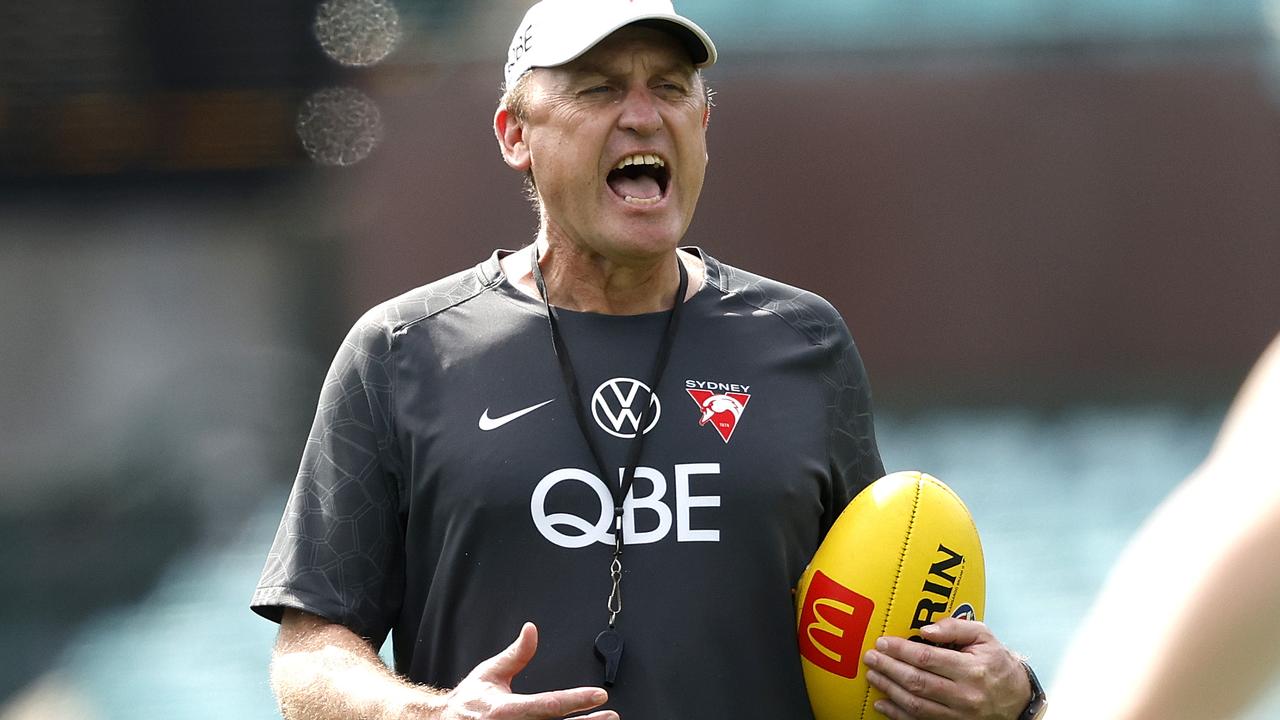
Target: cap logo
[522,44]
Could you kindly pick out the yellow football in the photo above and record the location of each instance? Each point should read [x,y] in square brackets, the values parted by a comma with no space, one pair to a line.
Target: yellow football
[902,555]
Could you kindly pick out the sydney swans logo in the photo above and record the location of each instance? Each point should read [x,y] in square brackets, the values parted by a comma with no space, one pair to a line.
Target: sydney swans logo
[618,404]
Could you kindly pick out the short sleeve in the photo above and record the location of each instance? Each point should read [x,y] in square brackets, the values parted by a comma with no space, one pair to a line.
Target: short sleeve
[853,457]
[339,550]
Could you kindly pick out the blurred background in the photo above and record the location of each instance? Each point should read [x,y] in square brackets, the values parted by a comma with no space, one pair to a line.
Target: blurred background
[1052,226]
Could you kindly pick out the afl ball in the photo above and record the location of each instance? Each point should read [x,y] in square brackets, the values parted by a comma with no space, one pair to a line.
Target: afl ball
[904,554]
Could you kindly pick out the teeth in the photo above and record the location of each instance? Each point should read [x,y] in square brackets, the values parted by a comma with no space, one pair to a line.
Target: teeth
[639,159]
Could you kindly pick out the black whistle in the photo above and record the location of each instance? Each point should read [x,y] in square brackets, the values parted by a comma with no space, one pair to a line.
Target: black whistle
[609,650]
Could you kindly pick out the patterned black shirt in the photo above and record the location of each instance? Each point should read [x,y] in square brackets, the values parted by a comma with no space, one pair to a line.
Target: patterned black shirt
[446,494]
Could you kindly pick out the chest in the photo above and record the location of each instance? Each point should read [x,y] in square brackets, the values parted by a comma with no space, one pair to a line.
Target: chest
[733,452]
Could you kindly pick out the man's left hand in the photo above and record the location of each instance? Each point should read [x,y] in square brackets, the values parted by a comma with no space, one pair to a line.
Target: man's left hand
[980,679]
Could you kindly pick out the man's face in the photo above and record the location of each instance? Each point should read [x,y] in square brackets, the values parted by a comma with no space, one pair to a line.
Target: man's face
[635,101]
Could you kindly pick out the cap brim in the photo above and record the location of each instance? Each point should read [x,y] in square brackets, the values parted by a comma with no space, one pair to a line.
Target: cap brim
[695,40]
[701,50]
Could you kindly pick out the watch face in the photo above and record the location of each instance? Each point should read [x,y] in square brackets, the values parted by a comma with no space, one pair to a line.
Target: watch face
[1036,709]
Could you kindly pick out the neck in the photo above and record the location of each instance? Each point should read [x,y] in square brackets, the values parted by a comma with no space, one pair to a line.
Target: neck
[588,282]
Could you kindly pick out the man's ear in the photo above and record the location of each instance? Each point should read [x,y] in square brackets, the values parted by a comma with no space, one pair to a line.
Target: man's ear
[706,115]
[510,134]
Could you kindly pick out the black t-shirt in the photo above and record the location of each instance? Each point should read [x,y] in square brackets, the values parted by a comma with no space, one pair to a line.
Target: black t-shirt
[446,494]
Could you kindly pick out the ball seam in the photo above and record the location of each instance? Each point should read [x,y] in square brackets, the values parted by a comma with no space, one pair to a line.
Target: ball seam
[897,576]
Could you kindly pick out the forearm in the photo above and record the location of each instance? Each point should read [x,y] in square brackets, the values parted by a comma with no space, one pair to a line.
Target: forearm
[1222,624]
[321,671]
[1193,586]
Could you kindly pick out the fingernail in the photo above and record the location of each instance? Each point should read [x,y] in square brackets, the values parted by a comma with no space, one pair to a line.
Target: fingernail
[599,697]
[882,644]
[879,706]
[872,657]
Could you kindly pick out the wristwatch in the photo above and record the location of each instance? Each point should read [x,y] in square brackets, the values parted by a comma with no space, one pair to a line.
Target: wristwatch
[1039,701]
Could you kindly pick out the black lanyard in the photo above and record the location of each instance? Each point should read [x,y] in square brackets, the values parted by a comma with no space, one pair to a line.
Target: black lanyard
[608,644]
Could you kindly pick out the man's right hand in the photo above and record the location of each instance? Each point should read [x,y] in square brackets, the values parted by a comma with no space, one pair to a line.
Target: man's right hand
[323,671]
[486,692]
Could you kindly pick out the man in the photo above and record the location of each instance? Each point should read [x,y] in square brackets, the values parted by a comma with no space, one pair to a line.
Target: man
[464,478]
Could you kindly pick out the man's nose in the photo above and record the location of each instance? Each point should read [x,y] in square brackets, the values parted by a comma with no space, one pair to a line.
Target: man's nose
[640,112]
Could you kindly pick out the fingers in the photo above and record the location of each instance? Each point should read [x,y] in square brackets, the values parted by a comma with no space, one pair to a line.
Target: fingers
[948,652]
[897,656]
[489,686]
[554,705]
[504,666]
[981,678]
[602,715]
[913,684]
[957,632]
[919,709]
[559,703]
[902,703]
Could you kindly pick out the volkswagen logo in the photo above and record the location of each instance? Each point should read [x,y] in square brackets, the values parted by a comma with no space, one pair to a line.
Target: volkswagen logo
[618,404]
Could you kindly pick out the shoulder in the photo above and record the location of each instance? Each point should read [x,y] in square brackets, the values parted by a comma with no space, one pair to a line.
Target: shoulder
[378,327]
[807,313]
[421,303]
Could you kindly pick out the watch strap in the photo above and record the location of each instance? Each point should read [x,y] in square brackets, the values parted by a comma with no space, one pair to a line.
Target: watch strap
[1039,701]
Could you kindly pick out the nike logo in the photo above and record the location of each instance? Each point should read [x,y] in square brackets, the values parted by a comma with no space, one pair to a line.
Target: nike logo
[487,423]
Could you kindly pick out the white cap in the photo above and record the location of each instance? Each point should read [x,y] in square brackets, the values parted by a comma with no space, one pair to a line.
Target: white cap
[554,32]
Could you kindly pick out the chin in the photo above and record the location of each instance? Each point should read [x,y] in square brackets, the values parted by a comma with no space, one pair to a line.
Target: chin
[658,232]
[649,242]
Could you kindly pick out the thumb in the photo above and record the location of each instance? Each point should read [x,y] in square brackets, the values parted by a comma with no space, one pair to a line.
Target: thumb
[504,666]
[956,633]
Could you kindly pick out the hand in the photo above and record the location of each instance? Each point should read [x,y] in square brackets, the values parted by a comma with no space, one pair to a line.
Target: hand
[485,694]
[979,680]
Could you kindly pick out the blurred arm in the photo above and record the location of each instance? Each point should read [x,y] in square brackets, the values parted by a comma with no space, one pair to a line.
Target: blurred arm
[1185,625]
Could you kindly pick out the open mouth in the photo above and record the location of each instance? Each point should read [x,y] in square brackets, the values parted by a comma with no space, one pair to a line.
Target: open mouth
[640,179]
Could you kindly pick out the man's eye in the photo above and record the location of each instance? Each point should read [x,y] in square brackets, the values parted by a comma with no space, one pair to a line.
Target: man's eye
[597,90]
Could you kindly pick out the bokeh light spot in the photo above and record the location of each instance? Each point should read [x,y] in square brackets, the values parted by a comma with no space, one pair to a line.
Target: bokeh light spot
[339,126]
[357,32]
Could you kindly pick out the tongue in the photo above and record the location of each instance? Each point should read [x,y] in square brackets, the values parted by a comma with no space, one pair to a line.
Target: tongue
[641,187]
